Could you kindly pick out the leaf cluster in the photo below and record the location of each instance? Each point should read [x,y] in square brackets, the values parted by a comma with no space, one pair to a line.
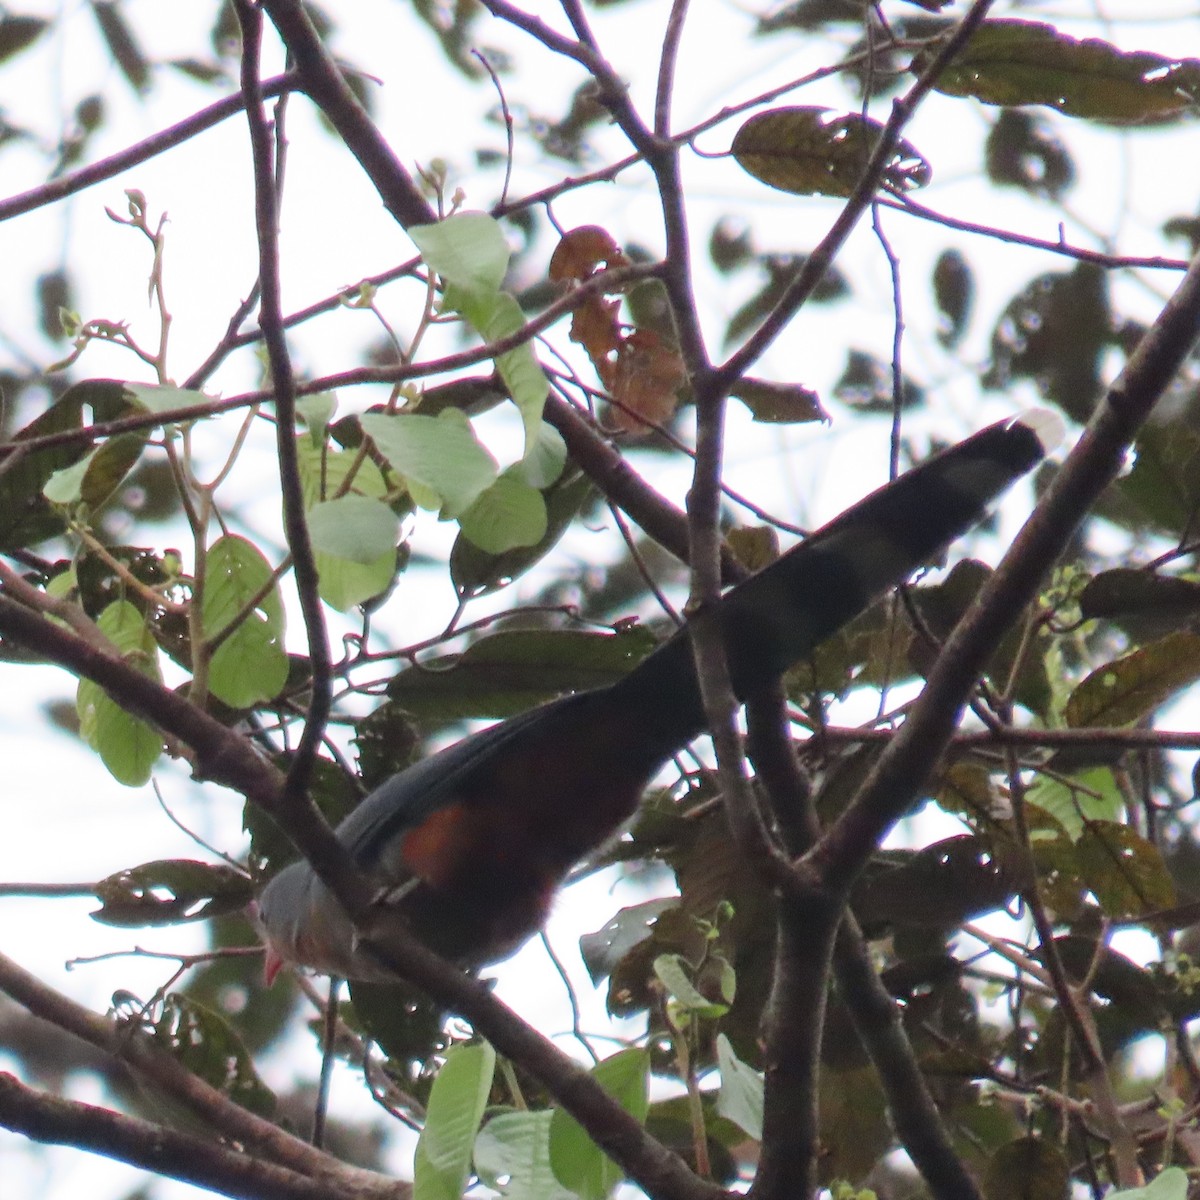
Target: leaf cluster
[522,387]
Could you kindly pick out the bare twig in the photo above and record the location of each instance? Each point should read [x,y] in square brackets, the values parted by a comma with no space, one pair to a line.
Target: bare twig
[174,135]
[283,383]
[819,261]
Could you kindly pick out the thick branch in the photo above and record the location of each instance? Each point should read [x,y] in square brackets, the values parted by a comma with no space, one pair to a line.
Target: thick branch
[157,1148]
[166,1073]
[911,1106]
[915,1116]
[806,926]
[794,1018]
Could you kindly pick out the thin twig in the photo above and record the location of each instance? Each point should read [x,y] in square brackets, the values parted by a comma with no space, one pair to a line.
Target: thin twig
[283,384]
[798,291]
[140,152]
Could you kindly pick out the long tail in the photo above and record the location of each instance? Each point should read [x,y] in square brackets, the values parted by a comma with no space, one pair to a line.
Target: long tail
[777,617]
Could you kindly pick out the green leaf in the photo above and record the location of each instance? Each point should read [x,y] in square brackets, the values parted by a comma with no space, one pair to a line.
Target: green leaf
[98,474]
[250,665]
[1012,63]
[815,151]
[456,1104]
[355,528]
[164,398]
[1023,150]
[324,471]
[316,412]
[403,1022]
[110,466]
[441,453]
[1053,333]
[235,572]
[508,515]
[938,886]
[65,485]
[1088,796]
[127,745]
[855,1131]
[204,1042]
[1029,1168]
[345,585]
[476,573]
[26,516]
[387,741]
[740,1099]
[604,949]
[1124,872]
[578,1163]
[543,463]
[1171,1184]
[1128,592]
[497,316]
[467,250]
[170,892]
[674,973]
[1132,687]
[512,1157]
[1164,484]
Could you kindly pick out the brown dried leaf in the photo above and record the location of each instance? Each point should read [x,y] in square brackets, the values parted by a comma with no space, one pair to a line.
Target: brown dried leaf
[582,250]
[643,381]
[597,328]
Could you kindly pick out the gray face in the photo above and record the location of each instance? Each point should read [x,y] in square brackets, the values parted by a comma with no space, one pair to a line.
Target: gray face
[304,925]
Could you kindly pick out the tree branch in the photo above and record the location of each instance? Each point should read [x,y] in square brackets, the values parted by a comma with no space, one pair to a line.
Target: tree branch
[911,1106]
[325,86]
[270,320]
[166,1073]
[164,1151]
[799,290]
[915,1116]
[901,770]
[174,135]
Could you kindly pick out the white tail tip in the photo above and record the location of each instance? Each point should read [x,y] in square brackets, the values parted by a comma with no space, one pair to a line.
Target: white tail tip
[1047,426]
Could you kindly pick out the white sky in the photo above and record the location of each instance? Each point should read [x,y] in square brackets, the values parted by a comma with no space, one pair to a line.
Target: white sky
[65,819]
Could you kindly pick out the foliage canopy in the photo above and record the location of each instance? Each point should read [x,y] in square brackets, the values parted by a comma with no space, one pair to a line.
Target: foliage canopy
[1010,998]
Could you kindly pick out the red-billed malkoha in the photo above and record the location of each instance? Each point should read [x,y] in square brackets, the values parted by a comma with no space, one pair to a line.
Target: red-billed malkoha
[472,843]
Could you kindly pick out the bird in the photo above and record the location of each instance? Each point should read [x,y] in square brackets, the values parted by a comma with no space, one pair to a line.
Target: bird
[472,843]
